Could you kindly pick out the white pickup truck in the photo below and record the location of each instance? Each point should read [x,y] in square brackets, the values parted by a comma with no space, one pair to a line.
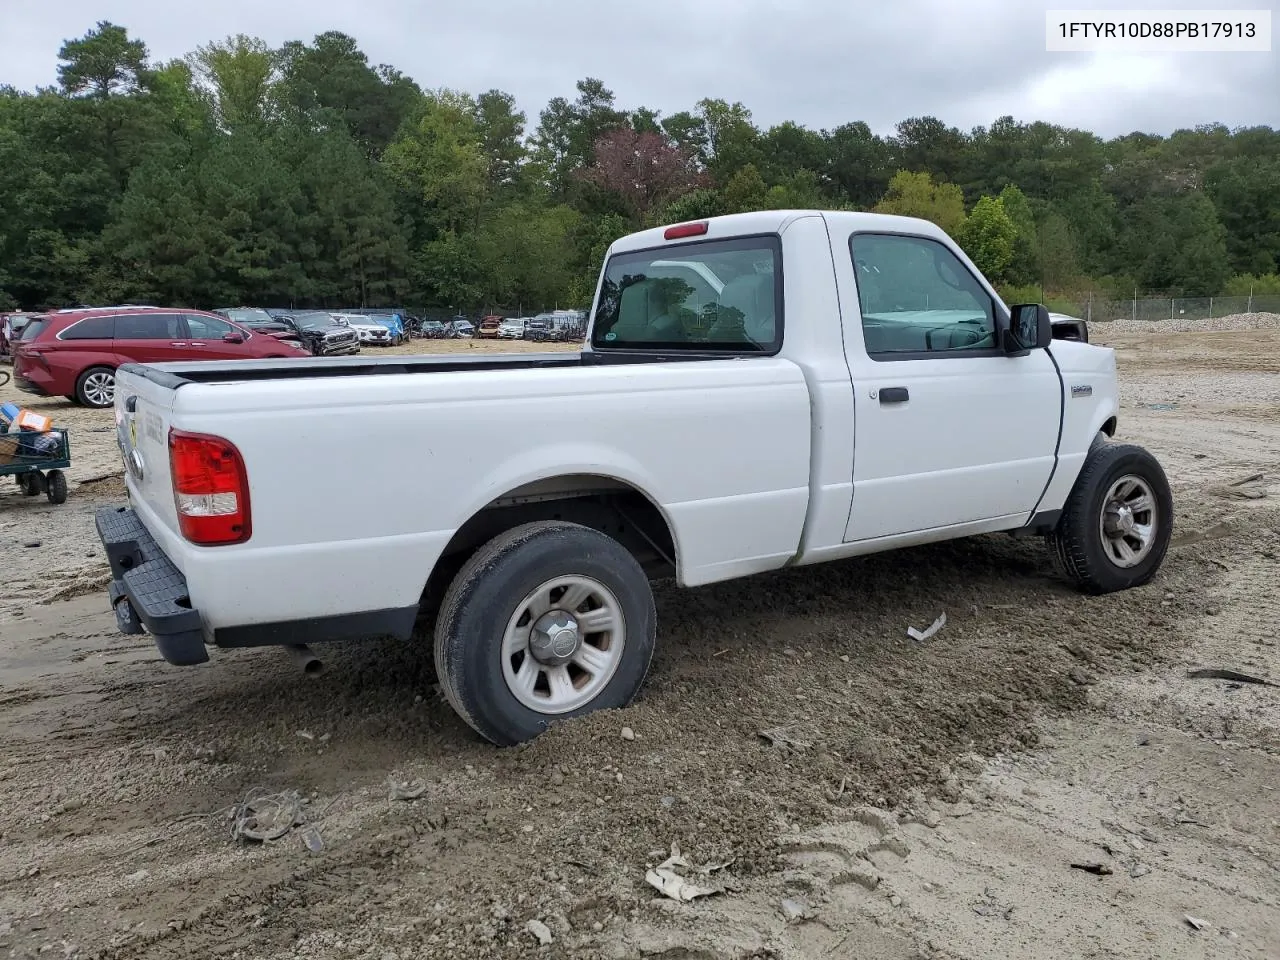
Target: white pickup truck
[757,391]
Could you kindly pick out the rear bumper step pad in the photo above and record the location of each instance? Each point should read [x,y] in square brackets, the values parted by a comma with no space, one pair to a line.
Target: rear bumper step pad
[147,590]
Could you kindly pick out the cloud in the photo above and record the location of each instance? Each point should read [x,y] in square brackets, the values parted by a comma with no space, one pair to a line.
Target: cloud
[821,63]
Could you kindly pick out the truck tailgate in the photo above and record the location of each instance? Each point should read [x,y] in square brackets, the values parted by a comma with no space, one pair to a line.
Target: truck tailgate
[142,428]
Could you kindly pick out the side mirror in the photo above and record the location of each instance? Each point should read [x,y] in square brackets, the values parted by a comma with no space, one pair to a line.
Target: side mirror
[1029,329]
[232,338]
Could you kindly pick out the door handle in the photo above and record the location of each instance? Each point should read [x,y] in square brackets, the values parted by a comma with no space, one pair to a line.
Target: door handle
[894,395]
[179,343]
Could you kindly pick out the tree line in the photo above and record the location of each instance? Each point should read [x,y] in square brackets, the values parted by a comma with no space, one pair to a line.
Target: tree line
[307,175]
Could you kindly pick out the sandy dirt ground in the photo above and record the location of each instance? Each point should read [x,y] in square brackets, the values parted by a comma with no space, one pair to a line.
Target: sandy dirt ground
[926,800]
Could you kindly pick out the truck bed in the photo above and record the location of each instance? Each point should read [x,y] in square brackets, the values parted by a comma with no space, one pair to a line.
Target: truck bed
[174,375]
[358,482]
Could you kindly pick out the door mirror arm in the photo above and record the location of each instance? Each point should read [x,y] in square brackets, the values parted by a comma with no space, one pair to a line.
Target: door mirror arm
[1011,345]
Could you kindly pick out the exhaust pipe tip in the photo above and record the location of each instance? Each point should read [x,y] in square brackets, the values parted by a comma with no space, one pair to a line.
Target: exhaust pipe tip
[306,660]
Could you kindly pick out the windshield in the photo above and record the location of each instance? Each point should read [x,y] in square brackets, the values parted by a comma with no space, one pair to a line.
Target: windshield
[715,295]
[249,316]
[313,321]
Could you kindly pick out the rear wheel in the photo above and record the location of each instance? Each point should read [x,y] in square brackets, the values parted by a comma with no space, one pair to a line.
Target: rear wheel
[96,387]
[547,621]
[56,486]
[1117,522]
[32,484]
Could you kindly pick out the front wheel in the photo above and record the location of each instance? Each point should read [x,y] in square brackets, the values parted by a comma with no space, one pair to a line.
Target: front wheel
[547,621]
[1117,522]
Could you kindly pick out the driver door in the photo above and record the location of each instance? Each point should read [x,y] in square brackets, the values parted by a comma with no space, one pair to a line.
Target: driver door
[949,430]
[205,337]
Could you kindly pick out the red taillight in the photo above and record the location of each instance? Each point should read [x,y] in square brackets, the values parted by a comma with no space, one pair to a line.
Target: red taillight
[210,489]
[685,230]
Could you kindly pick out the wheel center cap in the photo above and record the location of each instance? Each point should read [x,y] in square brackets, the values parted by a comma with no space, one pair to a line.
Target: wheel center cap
[1120,520]
[1125,519]
[555,638]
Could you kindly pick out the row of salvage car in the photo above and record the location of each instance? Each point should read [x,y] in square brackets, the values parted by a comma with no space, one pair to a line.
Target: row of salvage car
[322,332]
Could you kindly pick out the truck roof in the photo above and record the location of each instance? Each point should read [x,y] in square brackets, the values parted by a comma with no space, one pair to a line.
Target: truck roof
[775,221]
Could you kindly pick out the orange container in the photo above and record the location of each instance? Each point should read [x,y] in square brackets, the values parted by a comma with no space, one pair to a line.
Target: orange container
[26,420]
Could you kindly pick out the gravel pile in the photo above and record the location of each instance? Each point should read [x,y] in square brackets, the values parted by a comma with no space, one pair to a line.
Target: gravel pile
[1237,321]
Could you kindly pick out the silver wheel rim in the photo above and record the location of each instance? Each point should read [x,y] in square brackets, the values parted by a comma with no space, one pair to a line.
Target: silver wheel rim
[1128,521]
[563,644]
[100,389]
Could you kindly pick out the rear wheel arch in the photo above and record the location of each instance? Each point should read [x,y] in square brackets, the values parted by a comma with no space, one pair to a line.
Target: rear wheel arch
[614,507]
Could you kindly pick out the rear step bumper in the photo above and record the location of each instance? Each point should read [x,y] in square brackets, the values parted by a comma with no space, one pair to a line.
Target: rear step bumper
[147,590]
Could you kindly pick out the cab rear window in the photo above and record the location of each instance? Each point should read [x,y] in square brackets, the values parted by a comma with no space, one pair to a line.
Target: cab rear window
[710,295]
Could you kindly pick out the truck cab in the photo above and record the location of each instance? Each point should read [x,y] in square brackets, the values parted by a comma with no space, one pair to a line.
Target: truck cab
[933,414]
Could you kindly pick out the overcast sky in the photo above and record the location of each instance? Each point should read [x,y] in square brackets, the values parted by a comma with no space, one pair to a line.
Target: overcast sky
[818,62]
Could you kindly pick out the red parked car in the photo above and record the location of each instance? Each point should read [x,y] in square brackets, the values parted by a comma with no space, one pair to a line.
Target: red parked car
[74,353]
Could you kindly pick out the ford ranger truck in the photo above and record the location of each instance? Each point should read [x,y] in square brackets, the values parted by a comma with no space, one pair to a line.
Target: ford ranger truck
[757,391]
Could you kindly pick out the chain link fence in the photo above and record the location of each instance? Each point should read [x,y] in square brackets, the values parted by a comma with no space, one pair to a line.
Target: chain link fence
[474,314]
[1174,308]
[1093,309]
[442,314]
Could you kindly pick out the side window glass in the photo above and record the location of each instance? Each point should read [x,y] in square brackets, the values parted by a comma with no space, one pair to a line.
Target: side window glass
[91,328]
[918,298]
[149,326]
[206,328]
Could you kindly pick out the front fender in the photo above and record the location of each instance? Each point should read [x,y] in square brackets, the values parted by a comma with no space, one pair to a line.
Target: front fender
[1090,400]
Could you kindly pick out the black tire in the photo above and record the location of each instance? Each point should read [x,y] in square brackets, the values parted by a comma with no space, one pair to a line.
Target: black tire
[486,595]
[32,484]
[1079,546]
[88,391]
[56,486]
